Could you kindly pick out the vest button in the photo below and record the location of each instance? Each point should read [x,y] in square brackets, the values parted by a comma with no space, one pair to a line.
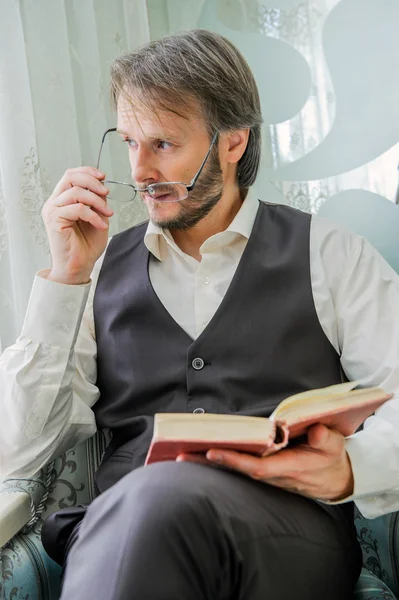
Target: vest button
[198,364]
[198,411]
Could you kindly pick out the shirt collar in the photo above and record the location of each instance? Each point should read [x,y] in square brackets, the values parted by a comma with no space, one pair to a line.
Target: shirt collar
[242,224]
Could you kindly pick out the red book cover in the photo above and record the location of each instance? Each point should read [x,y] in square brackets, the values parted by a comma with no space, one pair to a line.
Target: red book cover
[346,419]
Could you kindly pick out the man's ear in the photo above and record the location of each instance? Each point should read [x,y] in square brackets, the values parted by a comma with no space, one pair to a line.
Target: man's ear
[234,144]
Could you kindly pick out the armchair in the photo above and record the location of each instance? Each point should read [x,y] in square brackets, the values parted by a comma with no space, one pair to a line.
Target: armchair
[28,573]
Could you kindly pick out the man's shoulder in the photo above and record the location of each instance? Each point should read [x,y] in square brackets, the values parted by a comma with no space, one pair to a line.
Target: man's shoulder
[326,232]
[280,206]
[323,228]
[334,247]
[285,213]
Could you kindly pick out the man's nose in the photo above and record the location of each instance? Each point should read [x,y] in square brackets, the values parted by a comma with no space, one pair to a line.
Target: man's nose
[143,165]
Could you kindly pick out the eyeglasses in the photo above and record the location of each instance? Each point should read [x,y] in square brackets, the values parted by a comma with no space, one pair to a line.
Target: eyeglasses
[165,191]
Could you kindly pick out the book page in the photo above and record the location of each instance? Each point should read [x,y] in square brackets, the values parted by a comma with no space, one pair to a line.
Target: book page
[318,406]
[317,395]
[212,426]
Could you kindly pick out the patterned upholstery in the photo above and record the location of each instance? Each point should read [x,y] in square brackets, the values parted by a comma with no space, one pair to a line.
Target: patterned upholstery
[29,574]
[379,539]
[369,587]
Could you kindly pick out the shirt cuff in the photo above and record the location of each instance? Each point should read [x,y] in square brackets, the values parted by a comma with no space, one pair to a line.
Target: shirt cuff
[374,460]
[54,311]
[375,472]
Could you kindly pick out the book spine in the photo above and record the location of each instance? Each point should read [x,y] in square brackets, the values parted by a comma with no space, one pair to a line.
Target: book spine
[281,438]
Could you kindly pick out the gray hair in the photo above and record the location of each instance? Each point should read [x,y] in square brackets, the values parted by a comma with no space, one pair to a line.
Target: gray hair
[177,71]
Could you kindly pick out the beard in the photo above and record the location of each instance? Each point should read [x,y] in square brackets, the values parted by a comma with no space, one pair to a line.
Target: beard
[199,203]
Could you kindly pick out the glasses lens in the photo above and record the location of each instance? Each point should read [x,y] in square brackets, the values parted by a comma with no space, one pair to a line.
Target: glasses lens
[118,192]
[114,162]
[168,192]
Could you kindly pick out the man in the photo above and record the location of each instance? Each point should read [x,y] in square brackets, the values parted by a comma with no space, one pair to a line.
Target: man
[219,304]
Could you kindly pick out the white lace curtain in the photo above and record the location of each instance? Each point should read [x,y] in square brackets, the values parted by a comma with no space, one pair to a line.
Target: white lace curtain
[54,107]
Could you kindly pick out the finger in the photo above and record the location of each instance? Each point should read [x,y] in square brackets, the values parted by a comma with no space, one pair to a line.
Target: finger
[322,438]
[85,177]
[284,464]
[87,169]
[74,212]
[245,463]
[191,457]
[76,195]
[87,180]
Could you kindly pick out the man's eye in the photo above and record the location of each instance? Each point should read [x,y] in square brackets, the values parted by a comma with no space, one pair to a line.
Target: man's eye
[130,142]
[163,144]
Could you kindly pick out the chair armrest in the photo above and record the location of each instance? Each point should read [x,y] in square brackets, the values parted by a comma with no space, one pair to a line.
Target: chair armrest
[22,502]
[15,512]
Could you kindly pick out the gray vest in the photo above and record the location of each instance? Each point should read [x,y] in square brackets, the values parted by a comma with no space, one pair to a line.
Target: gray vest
[264,342]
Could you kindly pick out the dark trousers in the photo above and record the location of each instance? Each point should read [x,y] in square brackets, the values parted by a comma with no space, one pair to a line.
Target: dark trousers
[183,531]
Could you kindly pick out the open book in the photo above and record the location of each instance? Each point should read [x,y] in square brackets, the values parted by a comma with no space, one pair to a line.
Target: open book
[339,407]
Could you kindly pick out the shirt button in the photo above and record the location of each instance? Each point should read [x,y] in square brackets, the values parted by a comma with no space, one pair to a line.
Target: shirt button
[198,364]
[206,280]
[70,306]
[198,411]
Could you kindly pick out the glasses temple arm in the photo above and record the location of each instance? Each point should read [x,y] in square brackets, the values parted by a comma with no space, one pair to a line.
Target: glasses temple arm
[194,179]
[102,144]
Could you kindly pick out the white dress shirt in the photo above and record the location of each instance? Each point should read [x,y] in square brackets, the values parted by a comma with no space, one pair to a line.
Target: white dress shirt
[48,377]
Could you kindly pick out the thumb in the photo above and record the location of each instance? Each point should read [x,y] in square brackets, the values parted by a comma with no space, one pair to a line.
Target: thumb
[322,438]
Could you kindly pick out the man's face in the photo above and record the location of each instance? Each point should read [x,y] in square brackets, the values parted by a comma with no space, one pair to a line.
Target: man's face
[167,147]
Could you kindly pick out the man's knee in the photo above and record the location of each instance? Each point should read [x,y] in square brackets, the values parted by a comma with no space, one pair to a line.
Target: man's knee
[162,495]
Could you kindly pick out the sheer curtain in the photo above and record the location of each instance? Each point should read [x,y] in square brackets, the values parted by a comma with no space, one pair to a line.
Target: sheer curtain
[54,107]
